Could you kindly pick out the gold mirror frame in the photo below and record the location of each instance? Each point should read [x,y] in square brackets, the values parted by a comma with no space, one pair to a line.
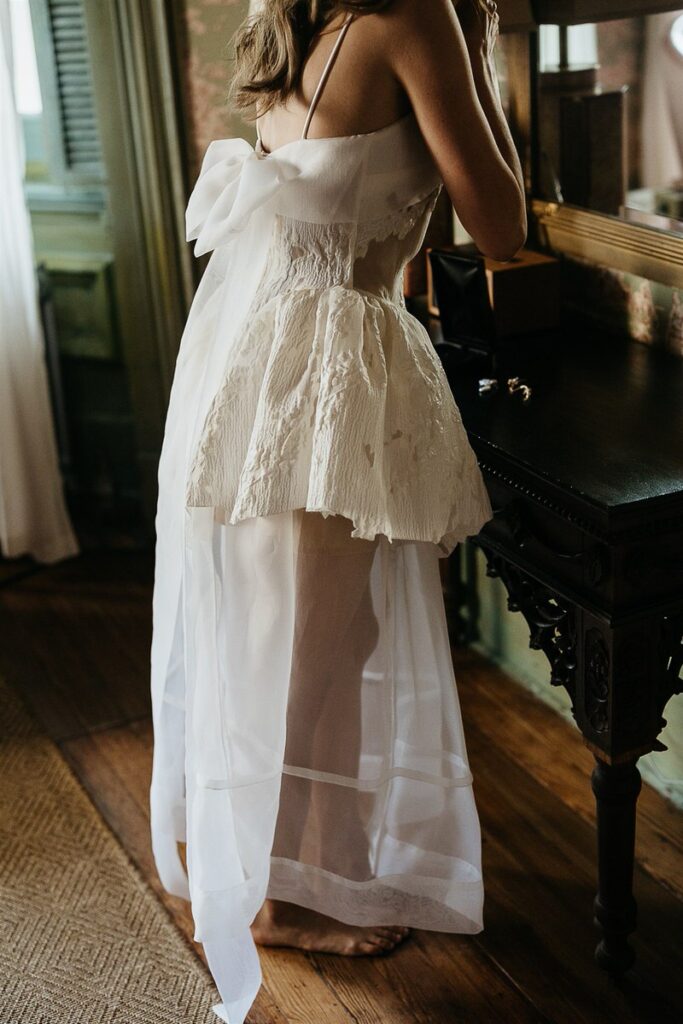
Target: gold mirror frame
[573,231]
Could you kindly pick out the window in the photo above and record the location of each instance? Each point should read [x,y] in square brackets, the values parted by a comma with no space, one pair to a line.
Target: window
[55,95]
[27,86]
[581,42]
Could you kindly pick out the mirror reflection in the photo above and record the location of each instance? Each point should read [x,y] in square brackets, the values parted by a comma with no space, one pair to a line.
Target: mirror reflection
[611,117]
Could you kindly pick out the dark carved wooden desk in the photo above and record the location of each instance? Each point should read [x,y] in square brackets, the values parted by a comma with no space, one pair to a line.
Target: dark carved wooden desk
[586,481]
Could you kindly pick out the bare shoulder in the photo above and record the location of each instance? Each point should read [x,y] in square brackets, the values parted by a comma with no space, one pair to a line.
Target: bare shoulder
[423,49]
[421,16]
[402,24]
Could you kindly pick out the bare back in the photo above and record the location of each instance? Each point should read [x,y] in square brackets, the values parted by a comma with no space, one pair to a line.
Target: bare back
[414,56]
[361,93]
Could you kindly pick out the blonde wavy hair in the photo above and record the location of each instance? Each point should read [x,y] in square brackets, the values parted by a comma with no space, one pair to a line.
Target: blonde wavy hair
[271,45]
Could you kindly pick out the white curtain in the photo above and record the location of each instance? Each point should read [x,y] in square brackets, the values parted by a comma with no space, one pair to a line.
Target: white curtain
[33,516]
[662,117]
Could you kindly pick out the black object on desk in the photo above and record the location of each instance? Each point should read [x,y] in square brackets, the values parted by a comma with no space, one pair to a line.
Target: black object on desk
[462,293]
[586,482]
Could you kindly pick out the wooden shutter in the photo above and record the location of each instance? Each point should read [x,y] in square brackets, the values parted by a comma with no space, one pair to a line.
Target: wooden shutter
[74,85]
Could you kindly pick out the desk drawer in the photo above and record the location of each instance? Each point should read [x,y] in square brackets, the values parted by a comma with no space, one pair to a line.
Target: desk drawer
[547,543]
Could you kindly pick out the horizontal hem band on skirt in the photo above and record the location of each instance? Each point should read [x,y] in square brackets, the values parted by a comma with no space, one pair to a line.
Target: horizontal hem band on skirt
[362,785]
[414,900]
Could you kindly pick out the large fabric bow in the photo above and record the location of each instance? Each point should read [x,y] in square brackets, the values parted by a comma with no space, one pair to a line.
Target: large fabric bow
[233,182]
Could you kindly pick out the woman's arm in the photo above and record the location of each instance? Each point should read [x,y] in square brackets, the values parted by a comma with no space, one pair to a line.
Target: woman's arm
[428,53]
[479,21]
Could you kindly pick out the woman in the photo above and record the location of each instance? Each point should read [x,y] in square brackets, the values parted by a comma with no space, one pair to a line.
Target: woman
[308,739]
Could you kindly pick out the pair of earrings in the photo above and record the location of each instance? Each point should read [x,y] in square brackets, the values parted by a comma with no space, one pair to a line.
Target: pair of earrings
[515,385]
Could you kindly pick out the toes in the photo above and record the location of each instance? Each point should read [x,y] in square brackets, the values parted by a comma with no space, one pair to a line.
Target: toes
[374,947]
[384,941]
[381,940]
[396,934]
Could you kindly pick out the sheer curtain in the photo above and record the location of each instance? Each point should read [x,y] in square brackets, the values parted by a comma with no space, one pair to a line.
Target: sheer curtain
[33,516]
[662,114]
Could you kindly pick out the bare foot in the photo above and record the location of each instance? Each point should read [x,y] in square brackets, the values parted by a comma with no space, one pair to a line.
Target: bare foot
[279,923]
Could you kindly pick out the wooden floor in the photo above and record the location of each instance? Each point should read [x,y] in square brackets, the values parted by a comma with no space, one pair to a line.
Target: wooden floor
[74,641]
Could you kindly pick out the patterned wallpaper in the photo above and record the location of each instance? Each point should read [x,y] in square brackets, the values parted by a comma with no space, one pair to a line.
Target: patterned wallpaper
[210,25]
[644,310]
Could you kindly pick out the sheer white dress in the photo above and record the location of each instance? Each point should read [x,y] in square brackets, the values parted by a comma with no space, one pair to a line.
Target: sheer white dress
[308,741]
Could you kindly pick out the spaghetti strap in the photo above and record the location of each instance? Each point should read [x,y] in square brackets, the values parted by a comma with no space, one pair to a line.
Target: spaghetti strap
[325,74]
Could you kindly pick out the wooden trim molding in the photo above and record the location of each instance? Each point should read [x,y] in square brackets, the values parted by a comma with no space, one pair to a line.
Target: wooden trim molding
[635,249]
[143,28]
[578,12]
[134,70]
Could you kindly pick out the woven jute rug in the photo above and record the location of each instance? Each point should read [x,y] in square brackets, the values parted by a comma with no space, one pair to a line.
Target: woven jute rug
[83,939]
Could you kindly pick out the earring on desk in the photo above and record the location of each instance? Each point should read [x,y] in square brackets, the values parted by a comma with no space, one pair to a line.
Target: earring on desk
[516,384]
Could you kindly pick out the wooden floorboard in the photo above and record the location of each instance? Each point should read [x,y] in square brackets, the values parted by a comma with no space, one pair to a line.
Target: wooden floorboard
[14,569]
[515,720]
[74,641]
[431,978]
[115,767]
[539,865]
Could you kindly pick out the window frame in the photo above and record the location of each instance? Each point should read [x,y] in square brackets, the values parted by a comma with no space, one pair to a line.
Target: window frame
[53,178]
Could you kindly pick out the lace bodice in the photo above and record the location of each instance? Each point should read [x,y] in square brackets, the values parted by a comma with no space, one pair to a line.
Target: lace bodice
[369,256]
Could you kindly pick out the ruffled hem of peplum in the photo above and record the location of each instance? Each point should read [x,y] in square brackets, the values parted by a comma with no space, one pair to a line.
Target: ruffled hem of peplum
[336,402]
[465,522]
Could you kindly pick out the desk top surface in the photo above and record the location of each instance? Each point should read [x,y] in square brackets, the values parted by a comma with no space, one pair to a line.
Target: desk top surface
[604,421]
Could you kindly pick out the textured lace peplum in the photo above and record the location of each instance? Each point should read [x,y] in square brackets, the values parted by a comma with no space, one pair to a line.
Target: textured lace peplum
[334,399]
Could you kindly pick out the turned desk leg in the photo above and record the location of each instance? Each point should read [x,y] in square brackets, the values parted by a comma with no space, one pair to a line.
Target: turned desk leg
[585,657]
[616,788]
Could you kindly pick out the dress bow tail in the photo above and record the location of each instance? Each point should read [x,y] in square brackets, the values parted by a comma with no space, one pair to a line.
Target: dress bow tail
[234,181]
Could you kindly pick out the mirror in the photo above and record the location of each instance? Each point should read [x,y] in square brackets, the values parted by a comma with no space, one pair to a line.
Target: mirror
[610,118]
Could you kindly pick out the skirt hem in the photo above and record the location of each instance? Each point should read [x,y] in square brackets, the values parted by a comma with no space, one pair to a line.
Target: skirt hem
[410,899]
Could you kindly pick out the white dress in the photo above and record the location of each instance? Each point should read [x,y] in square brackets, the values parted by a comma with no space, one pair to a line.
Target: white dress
[308,741]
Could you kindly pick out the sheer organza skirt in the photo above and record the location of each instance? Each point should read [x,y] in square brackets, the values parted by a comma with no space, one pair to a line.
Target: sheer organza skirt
[329,759]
